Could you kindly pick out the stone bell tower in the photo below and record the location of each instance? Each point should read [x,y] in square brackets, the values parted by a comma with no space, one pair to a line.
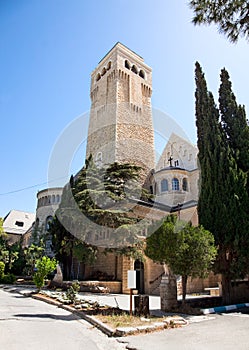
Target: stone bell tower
[120,126]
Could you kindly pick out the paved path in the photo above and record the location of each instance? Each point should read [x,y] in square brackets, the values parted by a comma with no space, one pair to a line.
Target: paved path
[27,324]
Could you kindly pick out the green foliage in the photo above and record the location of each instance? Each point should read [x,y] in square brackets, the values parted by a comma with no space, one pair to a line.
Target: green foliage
[101,195]
[72,291]
[84,252]
[31,255]
[189,251]
[223,156]
[7,279]
[136,251]
[10,278]
[44,267]
[2,267]
[8,253]
[230,16]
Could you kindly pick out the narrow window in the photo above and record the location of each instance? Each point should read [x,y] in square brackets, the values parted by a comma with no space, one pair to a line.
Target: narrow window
[48,221]
[98,77]
[142,74]
[164,185]
[134,69]
[109,65]
[185,184]
[127,64]
[175,184]
[103,72]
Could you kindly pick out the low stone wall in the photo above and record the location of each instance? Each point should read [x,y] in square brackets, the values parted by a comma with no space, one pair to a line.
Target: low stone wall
[114,287]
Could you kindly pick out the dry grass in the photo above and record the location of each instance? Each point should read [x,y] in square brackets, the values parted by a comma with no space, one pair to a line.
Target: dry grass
[126,320]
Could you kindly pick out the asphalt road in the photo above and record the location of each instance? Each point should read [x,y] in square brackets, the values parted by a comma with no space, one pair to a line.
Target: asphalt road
[27,324]
[228,331]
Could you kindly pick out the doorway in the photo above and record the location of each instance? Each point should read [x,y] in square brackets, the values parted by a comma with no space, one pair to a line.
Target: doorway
[139,268]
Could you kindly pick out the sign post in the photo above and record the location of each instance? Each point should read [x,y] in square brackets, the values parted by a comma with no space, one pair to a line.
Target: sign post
[131,285]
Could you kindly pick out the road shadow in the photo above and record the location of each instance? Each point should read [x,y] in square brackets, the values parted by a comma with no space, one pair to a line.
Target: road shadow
[70,317]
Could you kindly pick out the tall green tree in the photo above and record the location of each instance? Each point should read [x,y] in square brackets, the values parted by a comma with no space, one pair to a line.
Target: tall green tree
[222,197]
[189,251]
[231,17]
[234,122]
[94,199]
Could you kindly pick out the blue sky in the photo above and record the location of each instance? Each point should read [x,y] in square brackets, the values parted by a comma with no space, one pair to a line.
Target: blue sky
[48,50]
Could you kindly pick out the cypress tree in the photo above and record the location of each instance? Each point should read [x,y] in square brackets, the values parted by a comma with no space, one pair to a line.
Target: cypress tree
[221,205]
[234,123]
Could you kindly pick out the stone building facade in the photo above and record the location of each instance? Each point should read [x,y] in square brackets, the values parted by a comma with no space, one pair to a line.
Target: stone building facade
[121,130]
[48,201]
[120,127]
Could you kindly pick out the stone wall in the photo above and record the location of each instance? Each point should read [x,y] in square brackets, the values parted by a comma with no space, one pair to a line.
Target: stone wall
[120,126]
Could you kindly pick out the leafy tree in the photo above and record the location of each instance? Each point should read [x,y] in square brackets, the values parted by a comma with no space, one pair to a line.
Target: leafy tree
[188,251]
[223,195]
[62,242]
[44,267]
[8,253]
[94,199]
[66,246]
[102,193]
[231,17]
[31,255]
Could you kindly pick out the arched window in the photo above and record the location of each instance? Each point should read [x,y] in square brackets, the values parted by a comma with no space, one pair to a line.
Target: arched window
[37,222]
[127,64]
[48,220]
[185,184]
[134,69]
[98,77]
[142,74]
[53,199]
[164,185]
[103,71]
[175,184]
[58,198]
[109,65]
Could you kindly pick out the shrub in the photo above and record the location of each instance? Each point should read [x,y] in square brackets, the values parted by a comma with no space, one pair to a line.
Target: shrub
[44,267]
[2,267]
[71,293]
[10,278]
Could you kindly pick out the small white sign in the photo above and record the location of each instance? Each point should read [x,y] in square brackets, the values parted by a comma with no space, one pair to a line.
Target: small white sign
[131,279]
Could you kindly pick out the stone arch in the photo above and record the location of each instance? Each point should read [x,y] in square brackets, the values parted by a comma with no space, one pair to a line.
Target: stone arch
[109,65]
[142,74]
[134,69]
[127,64]
[48,220]
[103,71]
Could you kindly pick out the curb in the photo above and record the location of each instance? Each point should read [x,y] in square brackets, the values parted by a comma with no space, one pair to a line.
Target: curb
[110,332]
[220,309]
[105,329]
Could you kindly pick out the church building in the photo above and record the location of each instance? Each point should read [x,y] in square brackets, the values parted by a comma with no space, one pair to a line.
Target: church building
[121,130]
